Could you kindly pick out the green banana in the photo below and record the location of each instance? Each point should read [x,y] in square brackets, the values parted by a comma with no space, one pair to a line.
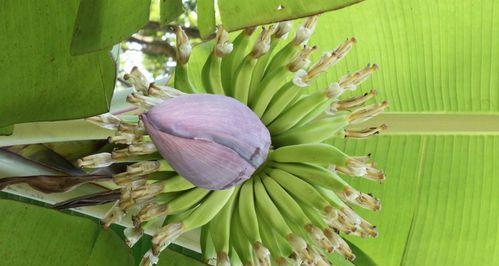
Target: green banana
[285,202]
[187,200]
[270,212]
[231,62]
[286,95]
[267,88]
[315,132]
[320,109]
[317,153]
[177,183]
[249,221]
[280,30]
[220,229]
[208,252]
[182,81]
[243,74]
[300,189]
[296,112]
[208,208]
[180,203]
[314,174]
[270,241]
[314,215]
[238,239]
[242,79]
[247,212]
[234,258]
[212,73]
[293,210]
[199,216]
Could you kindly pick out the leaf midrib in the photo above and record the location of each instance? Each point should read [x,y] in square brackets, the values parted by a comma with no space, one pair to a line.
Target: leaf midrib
[436,123]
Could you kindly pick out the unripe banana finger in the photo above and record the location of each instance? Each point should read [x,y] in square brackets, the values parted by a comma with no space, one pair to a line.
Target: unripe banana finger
[280,101]
[239,241]
[220,228]
[268,87]
[284,201]
[314,174]
[317,153]
[300,189]
[234,59]
[242,79]
[207,248]
[315,132]
[295,113]
[182,81]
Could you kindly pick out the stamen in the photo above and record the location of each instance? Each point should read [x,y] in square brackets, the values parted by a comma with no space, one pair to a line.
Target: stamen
[299,246]
[282,29]
[355,102]
[361,199]
[149,259]
[96,160]
[262,253]
[249,30]
[364,133]
[125,138]
[163,92]
[330,59]
[114,215]
[318,236]
[363,114]
[298,78]
[223,45]
[135,149]
[107,120]
[148,212]
[147,192]
[368,228]
[340,245]
[304,31]
[223,259]
[137,79]
[302,59]
[262,44]
[165,236]
[281,261]
[334,90]
[374,174]
[133,234]
[351,81]
[183,46]
[143,168]
[146,102]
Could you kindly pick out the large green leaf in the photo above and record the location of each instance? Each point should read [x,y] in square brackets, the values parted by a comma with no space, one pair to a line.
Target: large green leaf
[240,14]
[34,235]
[102,23]
[206,17]
[434,56]
[40,79]
[170,10]
[440,200]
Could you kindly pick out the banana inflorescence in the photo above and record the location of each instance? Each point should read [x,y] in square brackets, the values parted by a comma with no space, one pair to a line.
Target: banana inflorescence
[297,206]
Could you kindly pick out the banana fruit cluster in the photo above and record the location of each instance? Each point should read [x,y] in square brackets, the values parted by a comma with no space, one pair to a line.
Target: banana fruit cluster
[296,206]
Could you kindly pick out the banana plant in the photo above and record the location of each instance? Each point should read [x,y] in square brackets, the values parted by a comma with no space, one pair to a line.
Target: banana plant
[308,198]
